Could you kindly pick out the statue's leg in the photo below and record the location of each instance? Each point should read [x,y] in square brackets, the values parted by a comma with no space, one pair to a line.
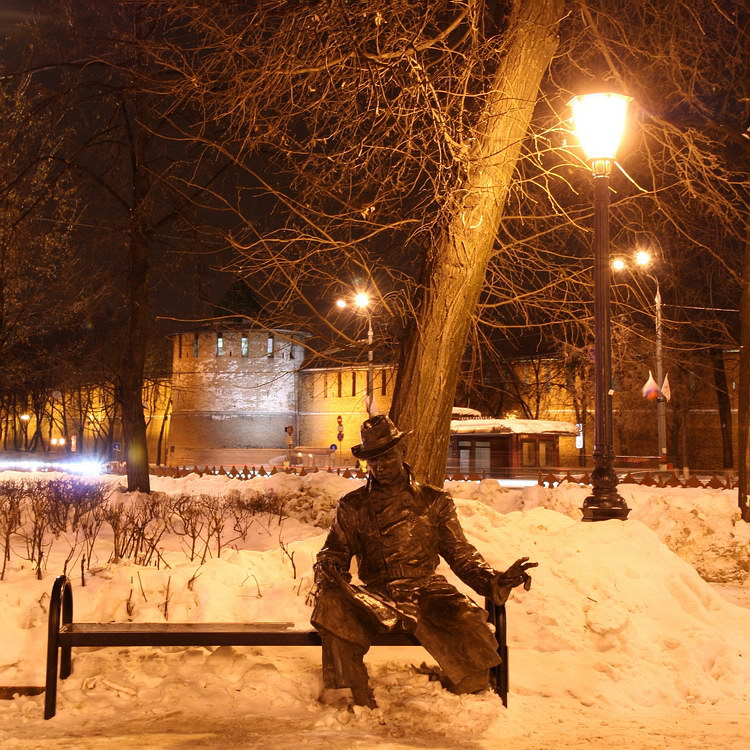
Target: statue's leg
[344,667]
[454,630]
[346,637]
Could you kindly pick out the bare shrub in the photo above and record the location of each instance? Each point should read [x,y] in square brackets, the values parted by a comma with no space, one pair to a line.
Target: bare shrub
[75,511]
[38,526]
[188,521]
[71,499]
[11,494]
[265,506]
[115,514]
[218,510]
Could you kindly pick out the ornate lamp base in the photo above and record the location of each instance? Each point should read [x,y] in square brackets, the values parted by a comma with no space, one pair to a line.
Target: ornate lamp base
[604,503]
[602,512]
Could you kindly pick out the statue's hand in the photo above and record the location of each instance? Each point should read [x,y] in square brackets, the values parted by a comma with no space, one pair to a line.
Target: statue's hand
[517,575]
[514,576]
[327,572]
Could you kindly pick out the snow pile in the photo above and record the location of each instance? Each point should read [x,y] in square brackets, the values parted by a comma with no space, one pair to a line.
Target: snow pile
[702,526]
[613,616]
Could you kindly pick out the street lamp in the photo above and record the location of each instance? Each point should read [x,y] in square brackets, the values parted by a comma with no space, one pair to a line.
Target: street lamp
[643,259]
[599,121]
[362,301]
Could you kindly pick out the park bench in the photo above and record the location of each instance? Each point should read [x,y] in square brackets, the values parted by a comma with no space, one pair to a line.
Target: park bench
[63,634]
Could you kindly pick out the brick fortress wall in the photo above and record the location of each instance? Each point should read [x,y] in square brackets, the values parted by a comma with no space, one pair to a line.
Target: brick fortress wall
[234,390]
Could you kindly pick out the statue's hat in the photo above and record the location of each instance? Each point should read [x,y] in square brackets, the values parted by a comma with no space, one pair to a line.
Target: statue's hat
[378,435]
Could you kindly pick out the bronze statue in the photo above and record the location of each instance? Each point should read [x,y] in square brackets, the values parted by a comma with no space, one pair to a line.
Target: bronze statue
[397,529]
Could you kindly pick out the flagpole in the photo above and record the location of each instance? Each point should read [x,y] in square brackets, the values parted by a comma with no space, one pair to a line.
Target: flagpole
[661,405]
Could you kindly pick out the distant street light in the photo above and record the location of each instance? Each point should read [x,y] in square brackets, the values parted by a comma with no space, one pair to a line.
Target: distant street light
[362,301]
[599,121]
[643,259]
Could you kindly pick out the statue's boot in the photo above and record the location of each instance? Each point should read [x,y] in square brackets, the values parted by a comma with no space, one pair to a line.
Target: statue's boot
[473,683]
[362,696]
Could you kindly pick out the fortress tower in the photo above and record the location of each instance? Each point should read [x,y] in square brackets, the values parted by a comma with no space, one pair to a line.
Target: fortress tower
[235,389]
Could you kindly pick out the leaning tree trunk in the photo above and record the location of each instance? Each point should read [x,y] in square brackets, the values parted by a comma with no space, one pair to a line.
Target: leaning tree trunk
[455,271]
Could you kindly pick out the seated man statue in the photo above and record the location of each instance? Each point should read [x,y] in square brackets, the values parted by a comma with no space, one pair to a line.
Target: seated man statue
[397,529]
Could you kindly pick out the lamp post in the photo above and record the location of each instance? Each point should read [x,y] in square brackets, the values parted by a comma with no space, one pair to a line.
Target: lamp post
[362,301]
[644,259]
[599,121]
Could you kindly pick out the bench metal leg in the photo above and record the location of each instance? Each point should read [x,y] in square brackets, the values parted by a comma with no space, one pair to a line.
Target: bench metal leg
[53,644]
[67,618]
[499,675]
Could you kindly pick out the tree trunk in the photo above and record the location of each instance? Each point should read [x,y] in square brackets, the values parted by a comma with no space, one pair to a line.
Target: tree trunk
[743,410]
[432,353]
[743,415]
[725,407]
[133,362]
[159,444]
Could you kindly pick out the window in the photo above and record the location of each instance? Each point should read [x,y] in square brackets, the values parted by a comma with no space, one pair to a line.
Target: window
[464,456]
[196,344]
[481,456]
[528,453]
[269,345]
[219,344]
[291,350]
[179,346]
[546,453]
[354,382]
[244,347]
[339,379]
[383,382]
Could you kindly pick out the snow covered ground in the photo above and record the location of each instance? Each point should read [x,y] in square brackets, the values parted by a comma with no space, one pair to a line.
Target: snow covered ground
[634,635]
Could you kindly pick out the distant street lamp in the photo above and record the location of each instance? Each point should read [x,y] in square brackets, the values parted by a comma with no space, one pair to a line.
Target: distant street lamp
[643,259]
[362,301]
[599,121]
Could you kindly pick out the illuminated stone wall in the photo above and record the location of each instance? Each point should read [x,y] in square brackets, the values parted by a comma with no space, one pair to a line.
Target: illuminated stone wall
[232,389]
[327,394]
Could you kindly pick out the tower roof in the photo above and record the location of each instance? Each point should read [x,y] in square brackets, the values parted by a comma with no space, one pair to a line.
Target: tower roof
[238,300]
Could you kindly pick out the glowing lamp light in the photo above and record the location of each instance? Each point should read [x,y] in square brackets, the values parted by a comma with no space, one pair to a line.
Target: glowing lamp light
[618,264]
[53,441]
[341,304]
[599,122]
[61,441]
[25,417]
[92,468]
[643,258]
[361,300]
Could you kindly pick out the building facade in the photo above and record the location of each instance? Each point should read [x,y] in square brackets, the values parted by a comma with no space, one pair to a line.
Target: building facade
[243,396]
[235,390]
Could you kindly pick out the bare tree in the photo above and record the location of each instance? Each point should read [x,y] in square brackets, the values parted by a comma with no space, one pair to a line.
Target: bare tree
[139,188]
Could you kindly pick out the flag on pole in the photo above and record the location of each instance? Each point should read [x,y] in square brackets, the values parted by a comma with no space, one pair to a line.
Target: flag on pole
[651,389]
[666,391]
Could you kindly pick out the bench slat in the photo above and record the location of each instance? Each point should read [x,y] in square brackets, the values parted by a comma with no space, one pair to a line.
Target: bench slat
[174,627]
[202,634]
